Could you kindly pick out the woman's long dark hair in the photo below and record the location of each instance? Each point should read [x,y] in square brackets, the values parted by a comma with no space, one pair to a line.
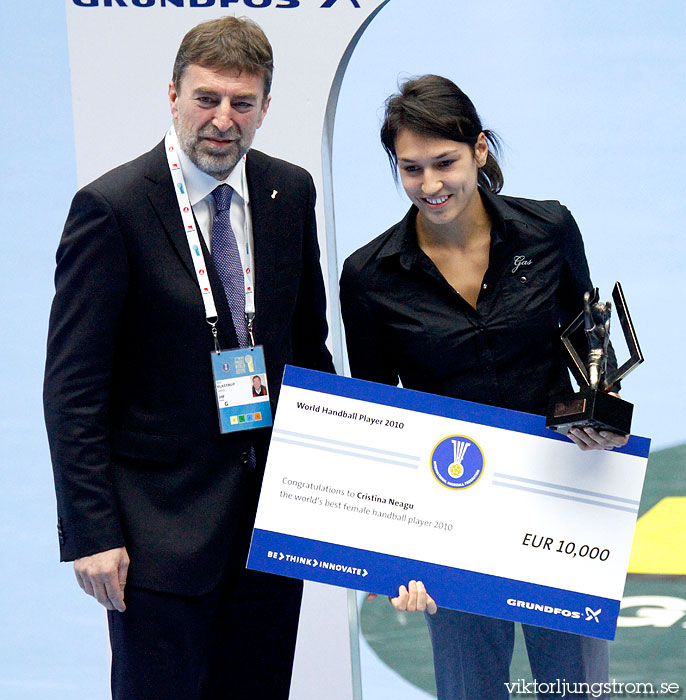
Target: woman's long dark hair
[435,106]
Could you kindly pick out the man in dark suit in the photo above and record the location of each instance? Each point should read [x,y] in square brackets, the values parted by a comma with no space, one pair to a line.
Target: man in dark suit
[155,505]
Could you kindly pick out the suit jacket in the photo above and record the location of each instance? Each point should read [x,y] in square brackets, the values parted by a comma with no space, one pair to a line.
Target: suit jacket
[129,403]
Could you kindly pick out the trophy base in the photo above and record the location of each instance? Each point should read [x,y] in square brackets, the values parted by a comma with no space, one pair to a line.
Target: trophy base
[590,408]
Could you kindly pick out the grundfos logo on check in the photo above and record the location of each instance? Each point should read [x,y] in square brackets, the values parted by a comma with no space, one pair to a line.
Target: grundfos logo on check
[457,462]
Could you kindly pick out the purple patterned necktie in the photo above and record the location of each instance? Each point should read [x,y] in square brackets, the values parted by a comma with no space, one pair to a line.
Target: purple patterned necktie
[227,260]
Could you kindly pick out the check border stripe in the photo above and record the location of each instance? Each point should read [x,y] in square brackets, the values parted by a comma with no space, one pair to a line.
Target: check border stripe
[597,494]
[423,402]
[279,431]
[565,497]
[471,591]
[325,448]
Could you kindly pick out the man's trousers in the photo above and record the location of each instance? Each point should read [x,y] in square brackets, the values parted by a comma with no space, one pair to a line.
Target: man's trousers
[234,643]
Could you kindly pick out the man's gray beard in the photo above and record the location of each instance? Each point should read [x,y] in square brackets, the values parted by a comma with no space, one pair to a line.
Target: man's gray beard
[218,166]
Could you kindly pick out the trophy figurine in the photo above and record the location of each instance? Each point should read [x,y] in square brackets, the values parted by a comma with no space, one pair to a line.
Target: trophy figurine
[594,406]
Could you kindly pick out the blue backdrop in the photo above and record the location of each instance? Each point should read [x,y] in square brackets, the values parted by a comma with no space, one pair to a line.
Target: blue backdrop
[588,99]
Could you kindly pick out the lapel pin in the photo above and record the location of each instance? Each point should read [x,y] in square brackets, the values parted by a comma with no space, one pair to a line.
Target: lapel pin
[274,193]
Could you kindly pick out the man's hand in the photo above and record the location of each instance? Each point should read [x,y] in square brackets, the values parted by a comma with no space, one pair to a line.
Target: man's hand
[414,598]
[103,575]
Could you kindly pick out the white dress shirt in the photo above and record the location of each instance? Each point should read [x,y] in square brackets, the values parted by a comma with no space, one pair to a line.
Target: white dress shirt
[199,186]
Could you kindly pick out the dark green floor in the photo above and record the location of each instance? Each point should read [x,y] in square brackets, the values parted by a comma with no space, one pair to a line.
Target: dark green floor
[638,654]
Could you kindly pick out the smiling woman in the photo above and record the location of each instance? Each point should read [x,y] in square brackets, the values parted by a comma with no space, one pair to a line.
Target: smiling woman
[465,297]
[440,178]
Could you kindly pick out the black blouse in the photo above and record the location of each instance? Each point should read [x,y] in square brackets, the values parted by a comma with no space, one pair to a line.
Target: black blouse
[403,321]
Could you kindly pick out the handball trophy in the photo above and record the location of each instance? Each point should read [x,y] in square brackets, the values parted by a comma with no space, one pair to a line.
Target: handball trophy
[594,405]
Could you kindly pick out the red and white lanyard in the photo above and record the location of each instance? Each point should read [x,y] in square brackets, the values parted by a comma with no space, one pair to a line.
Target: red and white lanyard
[193,239]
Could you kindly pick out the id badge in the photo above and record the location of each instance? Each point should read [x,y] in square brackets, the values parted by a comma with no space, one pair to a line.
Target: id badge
[240,384]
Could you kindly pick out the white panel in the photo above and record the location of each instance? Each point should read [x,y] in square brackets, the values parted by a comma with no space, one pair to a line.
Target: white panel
[121,60]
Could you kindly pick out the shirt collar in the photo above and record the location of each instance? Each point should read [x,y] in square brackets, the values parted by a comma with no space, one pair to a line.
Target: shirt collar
[199,184]
[500,210]
[403,241]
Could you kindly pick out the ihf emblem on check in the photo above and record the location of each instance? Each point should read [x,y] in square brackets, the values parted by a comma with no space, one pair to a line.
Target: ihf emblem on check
[457,462]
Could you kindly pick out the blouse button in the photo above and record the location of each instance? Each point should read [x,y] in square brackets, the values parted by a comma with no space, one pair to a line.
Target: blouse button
[523,280]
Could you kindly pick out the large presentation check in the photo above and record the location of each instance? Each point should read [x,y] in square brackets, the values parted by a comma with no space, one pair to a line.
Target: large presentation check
[368,486]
